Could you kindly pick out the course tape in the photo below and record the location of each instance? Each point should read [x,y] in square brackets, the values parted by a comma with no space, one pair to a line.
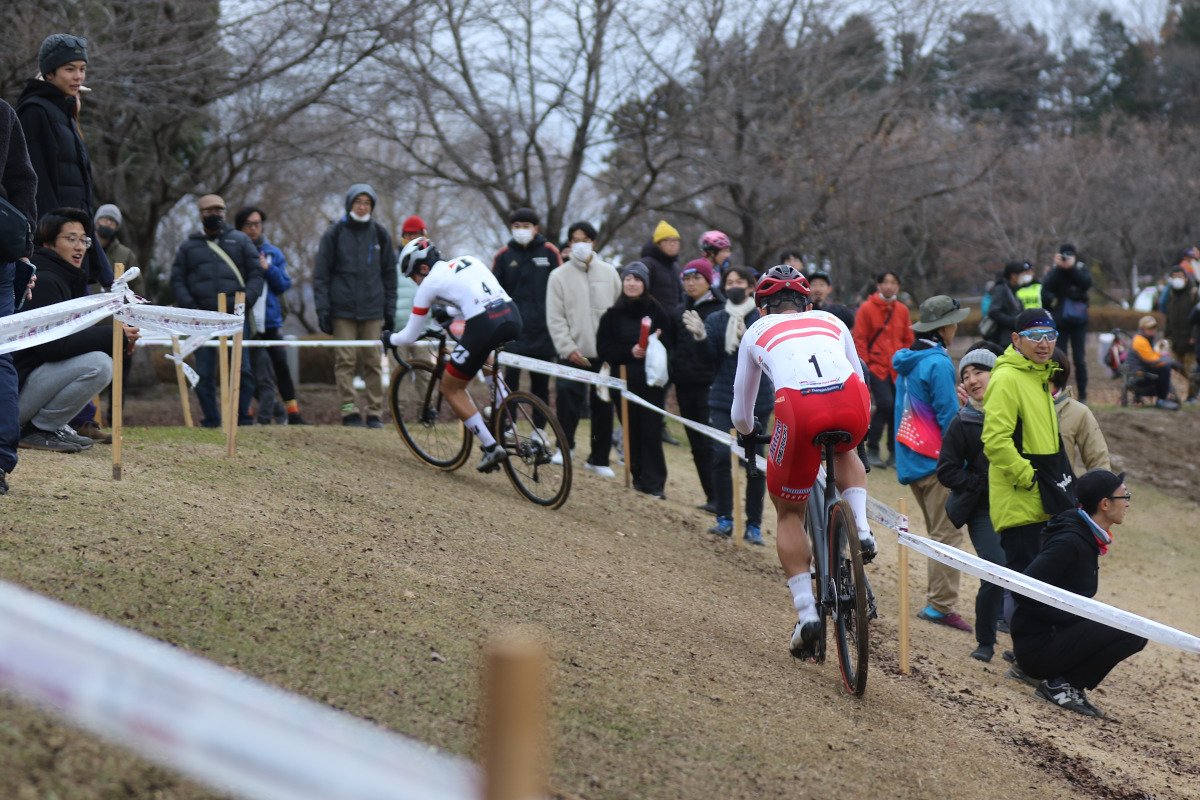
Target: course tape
[233,733]
[1052,595]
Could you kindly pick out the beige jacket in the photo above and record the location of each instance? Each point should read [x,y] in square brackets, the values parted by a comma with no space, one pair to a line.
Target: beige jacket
[1080,431]
[577,295]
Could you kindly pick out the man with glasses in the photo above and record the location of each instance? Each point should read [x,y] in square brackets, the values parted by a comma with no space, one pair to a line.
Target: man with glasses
[1020,437]
[1068,653]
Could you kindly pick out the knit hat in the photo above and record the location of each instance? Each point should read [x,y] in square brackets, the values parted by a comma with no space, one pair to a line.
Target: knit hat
[982,358]
[638,270]
[1094,485]
[664,231]
[524,215]
[413,224]
[939,311]
[702,266]
[110,211]
[1034,318]
[61,48]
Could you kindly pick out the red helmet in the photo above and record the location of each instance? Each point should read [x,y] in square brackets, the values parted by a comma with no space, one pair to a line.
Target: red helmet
[781,279]
[714,242]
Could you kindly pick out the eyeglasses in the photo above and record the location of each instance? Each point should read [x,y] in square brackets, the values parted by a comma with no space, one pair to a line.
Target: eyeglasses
[1040,336]
[1127,497]
[252,224]
[74,240]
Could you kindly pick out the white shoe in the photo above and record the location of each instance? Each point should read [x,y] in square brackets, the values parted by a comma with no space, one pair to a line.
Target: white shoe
[805,635]
[557,458]
[603,472]
[539,435]
[866,543]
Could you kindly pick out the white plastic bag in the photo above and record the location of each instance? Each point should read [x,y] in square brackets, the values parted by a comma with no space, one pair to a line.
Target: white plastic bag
[656,362]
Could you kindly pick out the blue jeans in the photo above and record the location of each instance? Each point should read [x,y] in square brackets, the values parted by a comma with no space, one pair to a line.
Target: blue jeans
[756,488]
[10,427]
[206,389]
[990,600]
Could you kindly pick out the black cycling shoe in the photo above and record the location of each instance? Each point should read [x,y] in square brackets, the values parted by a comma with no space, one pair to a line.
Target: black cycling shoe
[804,639]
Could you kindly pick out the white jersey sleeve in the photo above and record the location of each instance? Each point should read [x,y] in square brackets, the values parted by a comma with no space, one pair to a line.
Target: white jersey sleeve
[465,284]
[812,352]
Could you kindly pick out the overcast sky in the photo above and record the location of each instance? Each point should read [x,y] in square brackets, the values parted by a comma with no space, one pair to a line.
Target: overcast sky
[1059,17]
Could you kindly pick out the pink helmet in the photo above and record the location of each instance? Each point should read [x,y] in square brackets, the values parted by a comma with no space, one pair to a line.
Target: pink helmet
[713,242]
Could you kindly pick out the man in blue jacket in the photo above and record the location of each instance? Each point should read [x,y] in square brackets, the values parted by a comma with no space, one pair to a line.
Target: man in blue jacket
[926,404]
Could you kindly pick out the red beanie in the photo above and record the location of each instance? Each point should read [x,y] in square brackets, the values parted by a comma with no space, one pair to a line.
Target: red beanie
[702,266]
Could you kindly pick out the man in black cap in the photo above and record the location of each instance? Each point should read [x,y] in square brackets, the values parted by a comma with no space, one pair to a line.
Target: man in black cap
[1065,293]
[1069,653]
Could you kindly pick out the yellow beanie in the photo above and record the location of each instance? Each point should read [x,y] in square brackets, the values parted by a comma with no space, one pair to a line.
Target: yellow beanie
[664,231]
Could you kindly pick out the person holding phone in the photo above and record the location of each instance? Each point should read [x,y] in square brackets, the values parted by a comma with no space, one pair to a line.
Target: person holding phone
[577,295]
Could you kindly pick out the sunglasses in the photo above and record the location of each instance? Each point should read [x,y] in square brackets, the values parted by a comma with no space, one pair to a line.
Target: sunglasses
[1040,336]
[1127,497]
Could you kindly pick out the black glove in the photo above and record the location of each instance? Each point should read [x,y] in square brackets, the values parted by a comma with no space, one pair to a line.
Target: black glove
[325,323]
[441,316]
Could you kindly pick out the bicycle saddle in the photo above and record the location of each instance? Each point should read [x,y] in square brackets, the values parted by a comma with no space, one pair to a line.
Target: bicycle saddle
[832,437]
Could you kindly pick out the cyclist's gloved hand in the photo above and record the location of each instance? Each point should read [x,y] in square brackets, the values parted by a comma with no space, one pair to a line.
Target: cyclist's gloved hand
[389,321]
[758,432]
[440,315]
[325,323]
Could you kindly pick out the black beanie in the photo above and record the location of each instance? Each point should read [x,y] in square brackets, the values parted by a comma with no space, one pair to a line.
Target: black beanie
[59,49]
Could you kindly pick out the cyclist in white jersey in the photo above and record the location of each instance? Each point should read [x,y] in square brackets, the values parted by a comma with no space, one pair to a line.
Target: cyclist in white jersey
[812,363]
[467,286]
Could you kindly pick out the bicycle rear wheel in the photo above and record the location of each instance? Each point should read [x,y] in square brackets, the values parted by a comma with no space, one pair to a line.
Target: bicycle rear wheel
[432,432]
[814,540]
[531,447]
[850,613]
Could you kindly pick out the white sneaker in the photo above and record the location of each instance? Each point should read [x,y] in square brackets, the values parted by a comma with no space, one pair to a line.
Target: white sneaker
[557,458]
[603,472]
[539,435]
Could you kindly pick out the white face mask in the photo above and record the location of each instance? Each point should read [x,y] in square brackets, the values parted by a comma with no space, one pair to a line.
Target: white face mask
[1025,279]
[581,250]
[522,236]
[1178,283]
[357,218]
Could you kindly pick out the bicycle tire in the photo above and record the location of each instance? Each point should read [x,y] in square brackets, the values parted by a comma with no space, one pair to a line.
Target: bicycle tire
[851,620]
[822,609]
[528,464]
[436,436]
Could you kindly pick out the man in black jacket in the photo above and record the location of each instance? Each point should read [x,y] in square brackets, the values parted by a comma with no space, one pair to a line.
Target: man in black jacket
[1069,653]
[217,260]
[1065,294]
[1005,307]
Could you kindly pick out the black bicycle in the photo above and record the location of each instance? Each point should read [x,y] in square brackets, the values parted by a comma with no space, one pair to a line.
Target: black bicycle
[521,423]
[840,585]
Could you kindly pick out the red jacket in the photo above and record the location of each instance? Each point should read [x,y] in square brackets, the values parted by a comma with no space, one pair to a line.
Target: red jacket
[894,328]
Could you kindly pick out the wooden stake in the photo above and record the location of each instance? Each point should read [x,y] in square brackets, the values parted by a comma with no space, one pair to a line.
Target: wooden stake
[514,746]
[223,370]
[185,399]
[235,373]
[118,376]
[739,524]
[903,581]
[625,429]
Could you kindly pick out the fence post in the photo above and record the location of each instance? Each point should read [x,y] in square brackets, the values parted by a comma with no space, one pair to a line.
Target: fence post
[739,522]
[118,380]
[625,428]
[903,581]
[239,308]
[514,747]
[223,369]
[185,400]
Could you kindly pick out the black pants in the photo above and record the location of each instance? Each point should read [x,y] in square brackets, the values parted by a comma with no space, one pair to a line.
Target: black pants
[283,375]
[570,399]
[693,405]
[883,394]
[539,386]
[1082,653]
[647,462]
[1076,337]
[1021,545]
[756,488]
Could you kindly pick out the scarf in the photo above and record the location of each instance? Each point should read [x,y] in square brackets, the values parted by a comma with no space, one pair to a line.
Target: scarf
[1103,537]
[736,327]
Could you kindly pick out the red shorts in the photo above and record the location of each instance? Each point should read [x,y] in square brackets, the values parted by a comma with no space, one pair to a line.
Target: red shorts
[793,460]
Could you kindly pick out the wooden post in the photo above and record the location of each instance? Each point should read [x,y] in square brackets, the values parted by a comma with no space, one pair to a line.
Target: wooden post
[625,429]
[235,373]
[223,370]
[118,376]
[903,581]
[739,522]
[514,746]
[185,399]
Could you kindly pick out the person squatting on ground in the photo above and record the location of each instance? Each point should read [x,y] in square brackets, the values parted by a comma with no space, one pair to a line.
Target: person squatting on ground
[577,296]
[926,404]
[723,331]
[811,360]
[692,365]
[354,290]
[58,378]
[881,328]
[1070,654]
[1065,294]
[963,469]
[1144,357]
[210,262]
[471,293]
[1082,438]
[618,342]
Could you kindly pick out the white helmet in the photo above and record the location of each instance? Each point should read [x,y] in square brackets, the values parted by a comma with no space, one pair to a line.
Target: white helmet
[417,252]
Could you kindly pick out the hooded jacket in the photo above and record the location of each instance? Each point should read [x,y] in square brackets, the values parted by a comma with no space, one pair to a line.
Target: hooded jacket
[524,272]
[665,285]
[199,275]
[1018,391]
[355,272]
[577,296]
[924,389]
[881,328]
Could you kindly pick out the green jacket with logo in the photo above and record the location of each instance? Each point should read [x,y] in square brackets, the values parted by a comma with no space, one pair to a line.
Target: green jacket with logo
[1018,390]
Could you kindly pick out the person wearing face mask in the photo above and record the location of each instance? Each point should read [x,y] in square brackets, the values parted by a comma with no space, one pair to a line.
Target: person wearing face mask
[523,268]
[1178,300]
[212,261]
[882,327]
[577,295]
[108,222]
[1067,286]
[49,109]
[1029,289]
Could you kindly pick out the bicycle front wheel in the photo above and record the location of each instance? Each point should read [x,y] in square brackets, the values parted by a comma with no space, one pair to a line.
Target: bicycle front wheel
[850,607]
[431,429]
[530,433]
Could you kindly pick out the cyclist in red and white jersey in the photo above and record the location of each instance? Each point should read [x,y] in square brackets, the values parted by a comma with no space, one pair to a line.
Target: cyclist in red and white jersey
[468,288]
[812,363]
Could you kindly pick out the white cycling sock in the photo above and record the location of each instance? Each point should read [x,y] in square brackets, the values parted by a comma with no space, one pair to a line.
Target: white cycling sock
[856,496]
[476,425]
[802,596]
